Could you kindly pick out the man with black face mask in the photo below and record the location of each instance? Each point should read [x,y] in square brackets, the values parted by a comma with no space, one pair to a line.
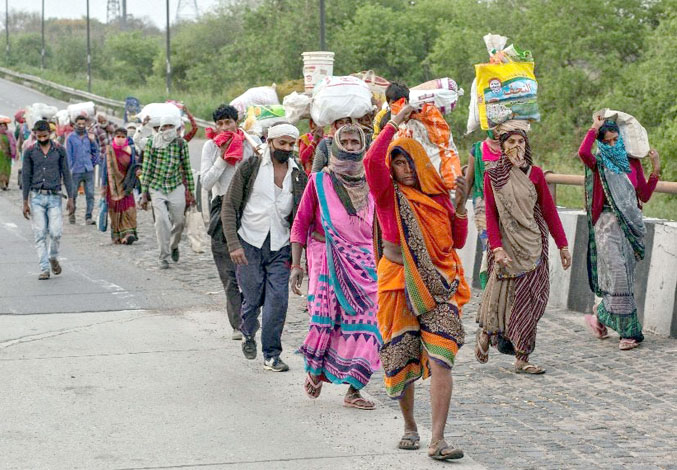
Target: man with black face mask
[45,167]
[257,214]
[83,155]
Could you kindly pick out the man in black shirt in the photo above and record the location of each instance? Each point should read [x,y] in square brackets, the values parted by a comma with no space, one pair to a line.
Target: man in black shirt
[45,166]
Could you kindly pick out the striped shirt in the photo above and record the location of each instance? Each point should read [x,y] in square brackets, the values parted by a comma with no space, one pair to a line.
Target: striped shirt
[165,169]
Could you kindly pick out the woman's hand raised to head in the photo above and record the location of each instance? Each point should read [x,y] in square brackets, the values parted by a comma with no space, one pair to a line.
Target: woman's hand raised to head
[597,122]
[404,114]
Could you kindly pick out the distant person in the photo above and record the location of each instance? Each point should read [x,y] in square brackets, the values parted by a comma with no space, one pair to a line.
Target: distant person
[118,186]
[224,152]
[7,154]
[394,92]
[308,145]
[321,157]
[257,215]
[45,170]
[83,155]
[168,178]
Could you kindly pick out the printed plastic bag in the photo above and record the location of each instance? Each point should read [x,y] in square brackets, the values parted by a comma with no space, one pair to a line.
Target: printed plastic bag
[263,95]
[296,107]
[506,91]
[103,215]
[441,92]
[635,137]
[339,97]
[376,84]
[260,118]
[195,230]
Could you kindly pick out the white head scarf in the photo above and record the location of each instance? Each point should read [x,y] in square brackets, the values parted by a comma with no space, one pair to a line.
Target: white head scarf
[283,129]
[163,138]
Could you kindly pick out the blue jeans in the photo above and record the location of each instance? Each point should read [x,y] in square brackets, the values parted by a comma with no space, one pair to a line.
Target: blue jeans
[264,282]
[46,220]
[88,178]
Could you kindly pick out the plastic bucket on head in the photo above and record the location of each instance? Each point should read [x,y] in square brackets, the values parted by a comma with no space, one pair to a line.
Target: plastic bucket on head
[316,66]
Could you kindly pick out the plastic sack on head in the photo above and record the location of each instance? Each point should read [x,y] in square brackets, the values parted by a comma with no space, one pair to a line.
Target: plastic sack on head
[376,84]
[86,109]
[39,111]
[635,137]
[263,95]
[296,106]
[340,97]
[443,93]
[156,111]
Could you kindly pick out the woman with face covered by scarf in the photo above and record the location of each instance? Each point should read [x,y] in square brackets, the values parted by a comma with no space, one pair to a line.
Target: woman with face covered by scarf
[520,212]
[334,223]
[614,187]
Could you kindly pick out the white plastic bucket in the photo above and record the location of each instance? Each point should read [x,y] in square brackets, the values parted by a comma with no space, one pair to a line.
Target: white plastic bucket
[316,66]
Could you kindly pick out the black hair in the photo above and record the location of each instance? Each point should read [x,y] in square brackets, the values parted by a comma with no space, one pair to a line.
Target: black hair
[608,126]
[41,126]
[80,117]
[120,130]
[395,91]
[225,111]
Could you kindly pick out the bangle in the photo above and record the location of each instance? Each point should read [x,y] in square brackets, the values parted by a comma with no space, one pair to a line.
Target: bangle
[496,249]
[463,215]
[295,266]
[394,124]
[564,248]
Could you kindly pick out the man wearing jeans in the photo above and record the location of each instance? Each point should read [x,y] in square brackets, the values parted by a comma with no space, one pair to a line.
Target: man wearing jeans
[165,174]
[83,155]
[45,167]
[257,214]
[226,149]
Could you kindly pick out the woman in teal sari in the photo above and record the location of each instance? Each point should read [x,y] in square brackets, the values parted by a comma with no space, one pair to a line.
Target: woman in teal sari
[614,187]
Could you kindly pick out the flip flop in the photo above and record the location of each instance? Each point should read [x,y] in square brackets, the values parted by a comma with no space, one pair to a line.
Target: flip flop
[311,387]
[355,400]
[482,355]
[530,369]
[627,344]
[410,441]
[436,451]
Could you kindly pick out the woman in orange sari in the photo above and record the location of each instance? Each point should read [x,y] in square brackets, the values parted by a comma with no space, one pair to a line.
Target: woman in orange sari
[421,285]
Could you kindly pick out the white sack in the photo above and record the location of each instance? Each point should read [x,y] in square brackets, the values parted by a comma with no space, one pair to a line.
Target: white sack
[339,97]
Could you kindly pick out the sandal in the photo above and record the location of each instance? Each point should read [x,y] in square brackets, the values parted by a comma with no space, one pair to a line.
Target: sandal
[437,449]
[481,354]
[598,330]
[626,344]
[355,400]
[530,369]
[410,441]
[311,387]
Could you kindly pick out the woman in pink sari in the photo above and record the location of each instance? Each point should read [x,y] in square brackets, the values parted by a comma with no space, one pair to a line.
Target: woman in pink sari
[334,223]
[119,179]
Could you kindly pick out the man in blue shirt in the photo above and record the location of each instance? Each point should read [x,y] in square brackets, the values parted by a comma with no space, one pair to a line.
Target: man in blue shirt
[83,155]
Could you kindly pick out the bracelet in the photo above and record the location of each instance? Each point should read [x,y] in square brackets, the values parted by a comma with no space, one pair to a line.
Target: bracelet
[463,215]
[564,248]
[496,249]
[394,124]
[294,266]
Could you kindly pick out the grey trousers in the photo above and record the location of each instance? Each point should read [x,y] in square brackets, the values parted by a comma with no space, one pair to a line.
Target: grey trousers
[227,271]
[169,219]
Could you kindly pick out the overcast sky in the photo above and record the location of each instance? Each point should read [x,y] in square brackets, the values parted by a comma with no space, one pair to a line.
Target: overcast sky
[153,9]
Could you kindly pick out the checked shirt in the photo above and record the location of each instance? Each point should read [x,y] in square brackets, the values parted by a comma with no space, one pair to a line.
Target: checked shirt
[165,169]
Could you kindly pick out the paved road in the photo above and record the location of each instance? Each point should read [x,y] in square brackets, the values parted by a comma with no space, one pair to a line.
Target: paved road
[14,97]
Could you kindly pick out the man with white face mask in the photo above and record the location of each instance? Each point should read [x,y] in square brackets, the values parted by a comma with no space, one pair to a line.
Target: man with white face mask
[165,174]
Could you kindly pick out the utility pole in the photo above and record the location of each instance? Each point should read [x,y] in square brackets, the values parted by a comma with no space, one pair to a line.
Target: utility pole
[123,21]
[323,42]
[169,65]
[7,27]
[89,54]
[42,27]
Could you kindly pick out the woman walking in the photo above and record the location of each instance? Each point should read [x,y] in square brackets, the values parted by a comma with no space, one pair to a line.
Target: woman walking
[520,212]
[421,285]
[7,152]
[119,179]
[614,185]
[334,223]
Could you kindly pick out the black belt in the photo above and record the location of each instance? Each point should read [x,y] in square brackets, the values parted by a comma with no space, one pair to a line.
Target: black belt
[48,192]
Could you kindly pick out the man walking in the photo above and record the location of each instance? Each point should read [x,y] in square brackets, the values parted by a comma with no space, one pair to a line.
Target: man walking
[167,175]
[83,155]
[257,214]
[45,167]
[226,149]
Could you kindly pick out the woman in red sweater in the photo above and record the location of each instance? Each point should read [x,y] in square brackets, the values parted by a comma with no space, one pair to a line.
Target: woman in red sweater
[520,212]
[614,185]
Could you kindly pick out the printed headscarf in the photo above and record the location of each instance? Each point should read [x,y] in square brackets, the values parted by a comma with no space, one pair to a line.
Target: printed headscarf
[614,157]
[347,170]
